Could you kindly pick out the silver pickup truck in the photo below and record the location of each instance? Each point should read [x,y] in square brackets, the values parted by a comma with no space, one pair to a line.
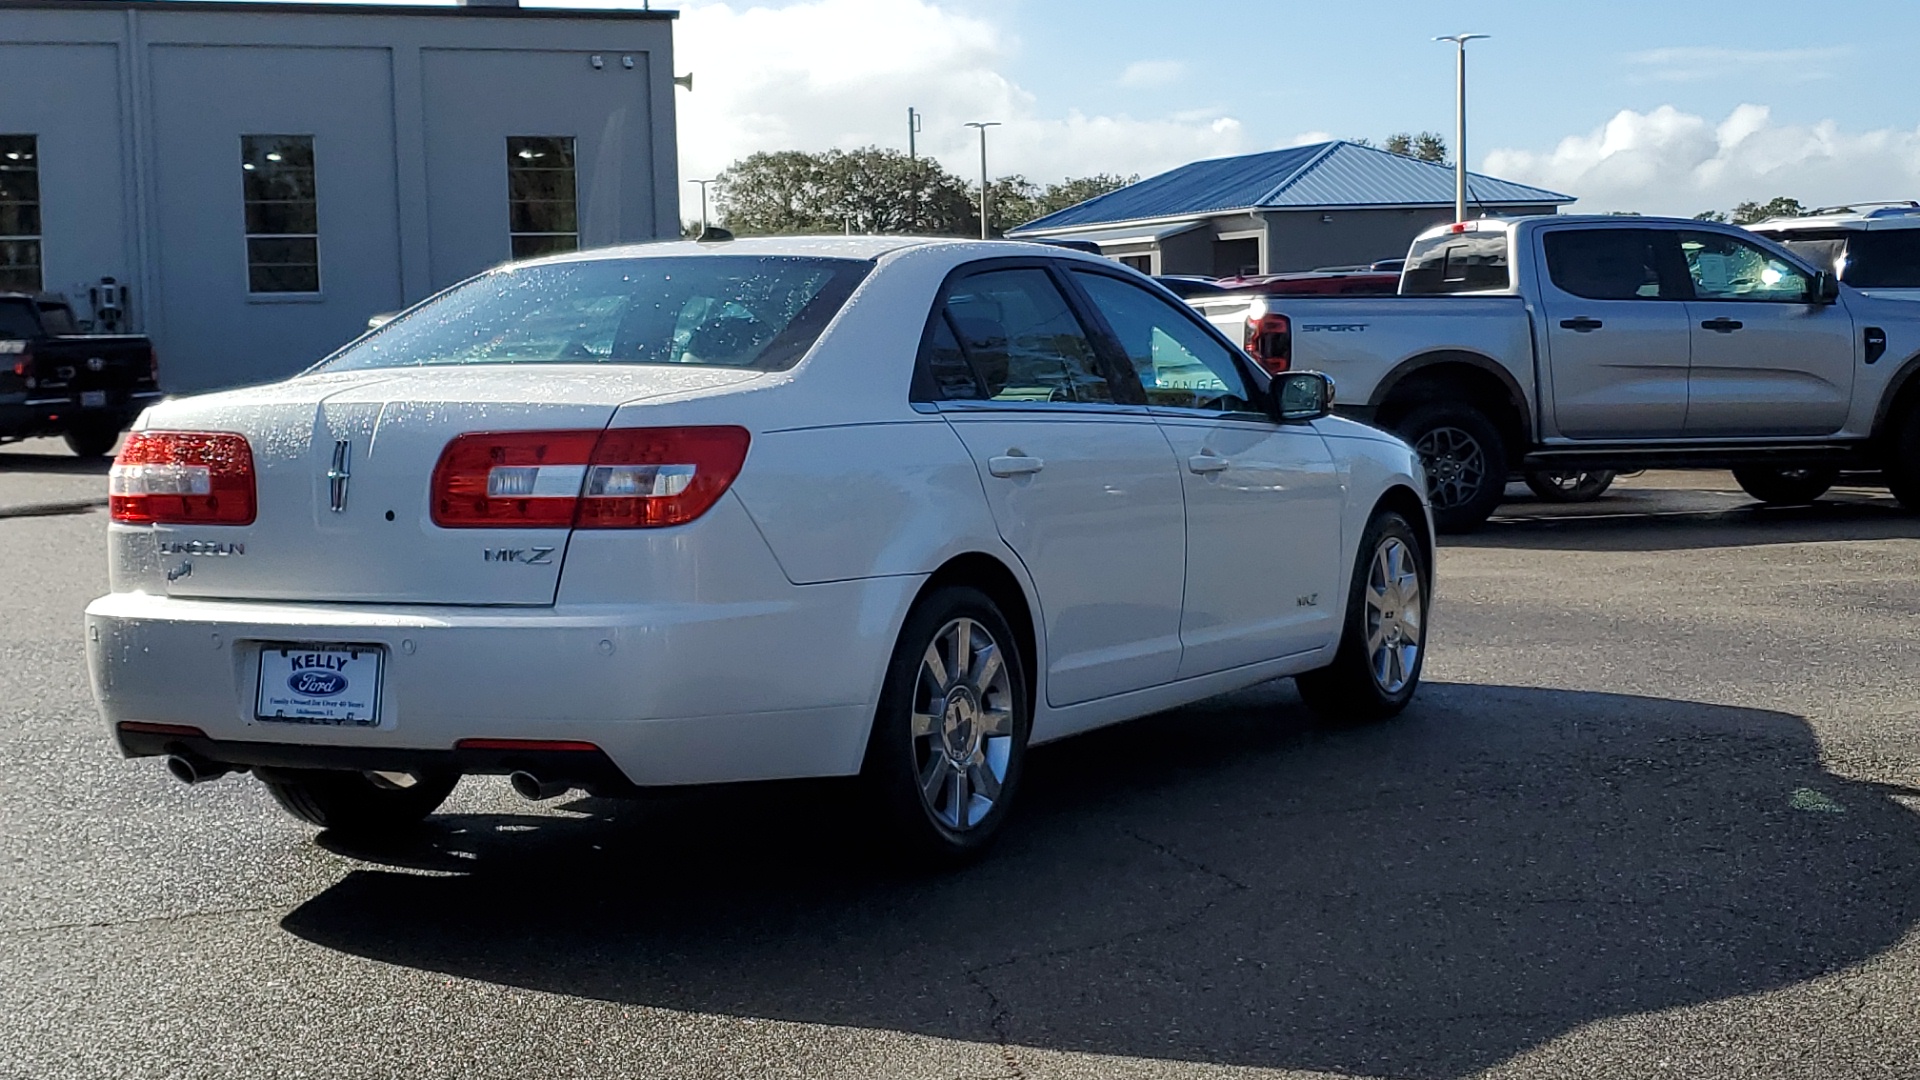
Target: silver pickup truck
[1572,344]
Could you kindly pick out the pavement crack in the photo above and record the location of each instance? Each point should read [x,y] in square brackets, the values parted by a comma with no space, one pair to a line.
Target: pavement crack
[1187,861]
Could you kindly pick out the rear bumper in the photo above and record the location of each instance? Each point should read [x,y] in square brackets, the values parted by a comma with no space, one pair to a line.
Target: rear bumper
[27,415]
[672,694]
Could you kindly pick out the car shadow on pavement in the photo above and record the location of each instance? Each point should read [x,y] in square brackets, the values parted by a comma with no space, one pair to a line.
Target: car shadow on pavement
[1746,526]
[1221,883]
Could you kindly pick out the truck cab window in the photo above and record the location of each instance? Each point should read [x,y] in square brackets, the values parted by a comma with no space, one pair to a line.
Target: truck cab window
[1610,264]
[1729,268]
[1457,263]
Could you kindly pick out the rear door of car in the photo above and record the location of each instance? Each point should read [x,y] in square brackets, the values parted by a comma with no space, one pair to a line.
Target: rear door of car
[1081,482]
[1618,346]
[1263,498]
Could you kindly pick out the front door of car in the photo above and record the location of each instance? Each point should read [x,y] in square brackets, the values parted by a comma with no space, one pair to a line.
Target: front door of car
[1080,480]
[1263,498]
[1616,333]
[1766,361]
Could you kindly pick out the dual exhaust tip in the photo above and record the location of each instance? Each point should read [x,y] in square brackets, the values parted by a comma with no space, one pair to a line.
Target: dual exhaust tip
[194,769]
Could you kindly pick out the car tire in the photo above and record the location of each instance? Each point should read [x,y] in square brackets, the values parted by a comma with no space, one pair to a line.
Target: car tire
[1785,487]
[92,440]
[949,738]
[1903,460]
[1465,459]
[1376,668]
[1569,486]
[353,802]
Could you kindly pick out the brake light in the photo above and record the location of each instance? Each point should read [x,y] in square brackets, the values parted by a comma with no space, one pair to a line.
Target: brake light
[622,478]
[182,477]
[1269,339]
[23,364]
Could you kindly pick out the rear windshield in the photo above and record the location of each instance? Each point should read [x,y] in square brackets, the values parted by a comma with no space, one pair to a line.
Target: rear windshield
[1456,263]
[738,311]
[17,321]
[58,319]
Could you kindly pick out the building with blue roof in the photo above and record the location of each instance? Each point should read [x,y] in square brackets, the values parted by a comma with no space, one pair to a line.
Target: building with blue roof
[1328,204]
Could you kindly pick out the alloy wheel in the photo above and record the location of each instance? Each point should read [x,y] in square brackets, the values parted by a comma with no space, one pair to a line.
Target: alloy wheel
[962,724]
[1394,615]
[1456,466]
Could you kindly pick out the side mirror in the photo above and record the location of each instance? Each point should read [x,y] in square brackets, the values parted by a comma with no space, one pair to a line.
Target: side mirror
[1825,288]
[1302,395]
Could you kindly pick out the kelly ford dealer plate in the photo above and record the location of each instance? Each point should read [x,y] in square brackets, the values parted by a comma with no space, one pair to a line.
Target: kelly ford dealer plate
[319,684]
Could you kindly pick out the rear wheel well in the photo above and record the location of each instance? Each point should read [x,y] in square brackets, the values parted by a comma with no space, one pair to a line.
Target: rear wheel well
[991,576]
[1905,401]
[1462,381]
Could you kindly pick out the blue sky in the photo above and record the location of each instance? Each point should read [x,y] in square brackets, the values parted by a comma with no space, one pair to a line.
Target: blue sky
[1673,106]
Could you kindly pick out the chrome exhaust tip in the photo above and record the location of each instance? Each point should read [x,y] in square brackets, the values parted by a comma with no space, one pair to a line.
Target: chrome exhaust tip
[189,769]
[534,789]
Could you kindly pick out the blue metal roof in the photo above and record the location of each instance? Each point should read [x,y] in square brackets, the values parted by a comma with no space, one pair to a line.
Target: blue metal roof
[1330,174]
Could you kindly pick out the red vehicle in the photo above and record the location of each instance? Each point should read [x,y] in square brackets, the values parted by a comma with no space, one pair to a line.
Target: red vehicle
[1317,283]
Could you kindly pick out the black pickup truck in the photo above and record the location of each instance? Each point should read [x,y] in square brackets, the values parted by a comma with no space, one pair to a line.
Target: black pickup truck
[55,380]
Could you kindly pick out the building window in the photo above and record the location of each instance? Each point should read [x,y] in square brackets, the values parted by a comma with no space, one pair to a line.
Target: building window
[542,217]
[283,225]
[19,213]
[1142,263]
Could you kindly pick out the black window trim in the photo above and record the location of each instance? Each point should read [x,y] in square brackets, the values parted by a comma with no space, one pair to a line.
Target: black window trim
[1123,379]
[1256,380]
[1754,240]
[1672,259]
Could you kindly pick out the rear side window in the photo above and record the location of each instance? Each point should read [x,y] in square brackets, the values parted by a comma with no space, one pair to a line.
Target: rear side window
[1883,259]
[1008,335]
[58,319]
[1456,263]
[738,311]
[1611,264]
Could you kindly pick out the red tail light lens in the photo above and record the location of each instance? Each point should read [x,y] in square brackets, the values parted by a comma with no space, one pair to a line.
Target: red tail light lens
[623,478]
[182,477]
[1269,339]
[23,364]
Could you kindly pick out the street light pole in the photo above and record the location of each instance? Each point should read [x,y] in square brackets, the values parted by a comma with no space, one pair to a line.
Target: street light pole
[1460,120]
[983,126]
[703,203]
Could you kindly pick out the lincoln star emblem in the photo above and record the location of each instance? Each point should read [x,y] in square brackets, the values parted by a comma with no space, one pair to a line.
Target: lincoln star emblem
[338,476]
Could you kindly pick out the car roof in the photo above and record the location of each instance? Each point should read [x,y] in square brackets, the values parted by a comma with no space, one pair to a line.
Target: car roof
[822,247]
[1859,216]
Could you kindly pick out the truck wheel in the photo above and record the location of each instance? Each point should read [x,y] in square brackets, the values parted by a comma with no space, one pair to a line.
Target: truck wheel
[1465,459]
[1903,465]
[1569,487]
[1785,487]
[1383,641]
[89,439]
[351,802]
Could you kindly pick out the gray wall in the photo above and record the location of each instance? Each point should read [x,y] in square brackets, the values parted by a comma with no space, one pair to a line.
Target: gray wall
[139,109]
[1302,240]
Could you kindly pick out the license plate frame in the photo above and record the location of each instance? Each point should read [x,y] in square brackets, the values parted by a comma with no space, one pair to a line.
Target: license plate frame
[334,675]
[93,399]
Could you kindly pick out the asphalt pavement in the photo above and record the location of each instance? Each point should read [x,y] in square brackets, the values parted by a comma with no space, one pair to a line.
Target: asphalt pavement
[1656,813]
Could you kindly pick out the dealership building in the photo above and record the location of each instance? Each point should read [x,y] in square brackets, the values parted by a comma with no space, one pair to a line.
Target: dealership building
[1326,204]
[249,182]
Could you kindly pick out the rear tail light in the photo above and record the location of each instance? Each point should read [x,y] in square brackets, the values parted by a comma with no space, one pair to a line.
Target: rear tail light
[182,477]
[23,366]
[1269,339]
[621,478]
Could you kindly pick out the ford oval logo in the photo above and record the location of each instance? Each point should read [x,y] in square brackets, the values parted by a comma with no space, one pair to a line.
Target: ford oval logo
[317,683]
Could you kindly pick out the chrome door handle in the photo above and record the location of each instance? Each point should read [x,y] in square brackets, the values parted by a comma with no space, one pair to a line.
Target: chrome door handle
[1207,463]
[1015,465]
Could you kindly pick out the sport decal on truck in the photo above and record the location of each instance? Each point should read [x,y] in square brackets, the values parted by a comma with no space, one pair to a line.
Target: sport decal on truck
[1334,328]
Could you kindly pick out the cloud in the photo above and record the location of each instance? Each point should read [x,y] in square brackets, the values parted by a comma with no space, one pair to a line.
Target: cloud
[1671,162]
[1152,73]
[1701,63]
[820,74]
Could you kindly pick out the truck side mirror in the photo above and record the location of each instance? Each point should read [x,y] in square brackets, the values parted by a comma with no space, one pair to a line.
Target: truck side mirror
[1302,395]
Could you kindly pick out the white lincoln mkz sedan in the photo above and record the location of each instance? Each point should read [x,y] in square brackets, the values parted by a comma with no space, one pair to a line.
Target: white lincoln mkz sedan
[691,513]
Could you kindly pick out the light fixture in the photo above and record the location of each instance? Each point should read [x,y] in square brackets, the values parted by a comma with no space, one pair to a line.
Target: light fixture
[528,155]
[274,156]
[247,165]
[14,156]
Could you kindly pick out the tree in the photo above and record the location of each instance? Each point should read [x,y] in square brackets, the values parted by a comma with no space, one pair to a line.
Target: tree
[1712,215]
[869,190]
[1075,191]
[1423,146]
[1779,206]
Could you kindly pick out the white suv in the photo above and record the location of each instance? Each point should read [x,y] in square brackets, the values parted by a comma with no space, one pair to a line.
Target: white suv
[1874,247]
